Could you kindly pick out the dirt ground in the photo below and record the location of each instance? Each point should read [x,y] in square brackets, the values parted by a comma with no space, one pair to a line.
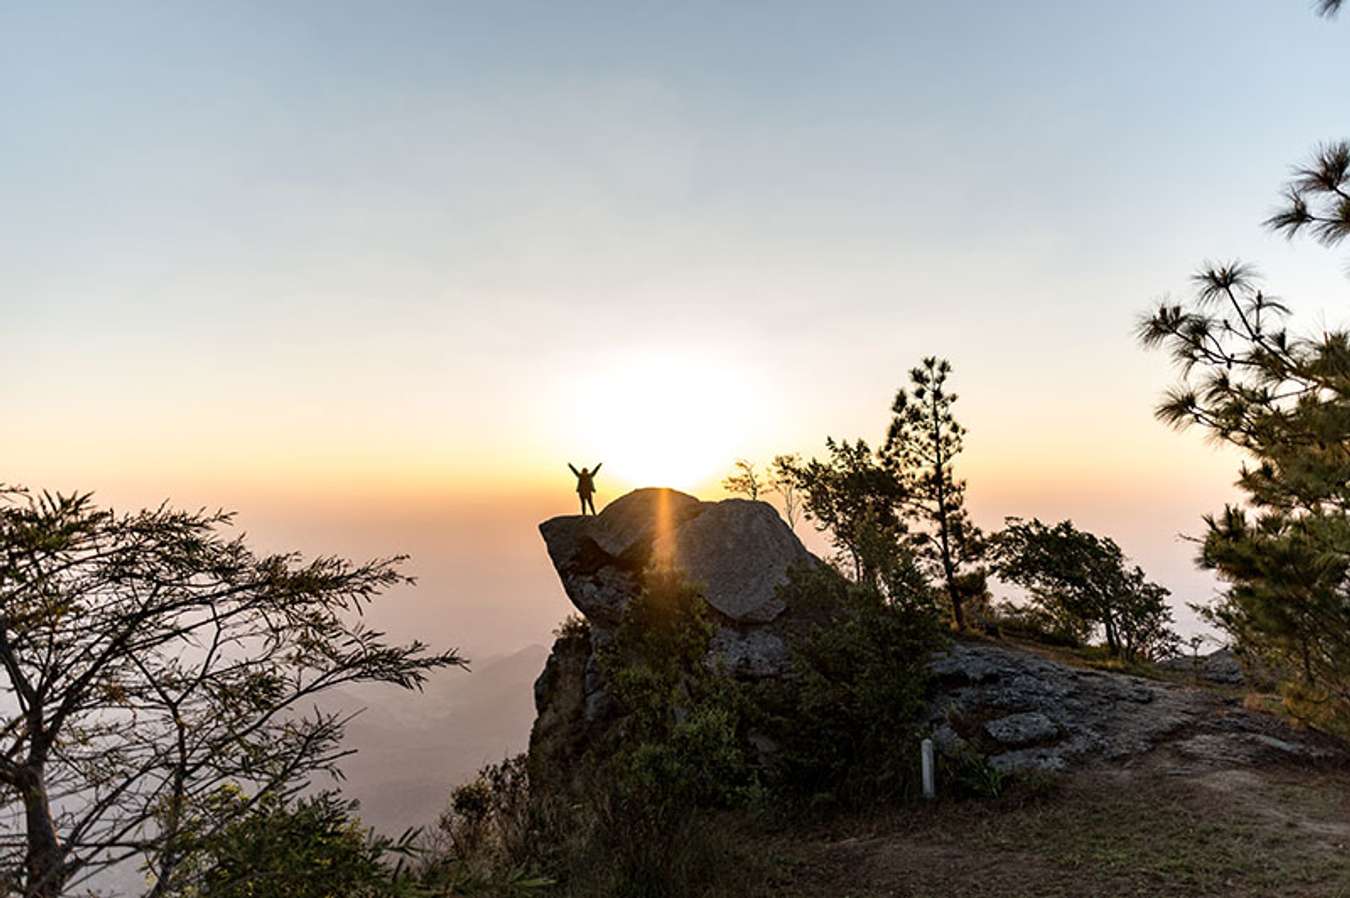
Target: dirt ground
[1153,830]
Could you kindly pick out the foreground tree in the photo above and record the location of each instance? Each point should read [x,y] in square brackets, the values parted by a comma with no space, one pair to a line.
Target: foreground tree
[1284,401]
[148,662]
[921,448]
[1081,582]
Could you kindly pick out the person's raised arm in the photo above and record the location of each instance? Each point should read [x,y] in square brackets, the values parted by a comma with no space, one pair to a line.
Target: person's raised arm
[574,470]
[596,469]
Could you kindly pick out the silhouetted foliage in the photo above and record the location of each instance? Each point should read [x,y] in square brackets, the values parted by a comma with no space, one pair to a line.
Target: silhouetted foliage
[745,480]
[1285,402]
[1317,199]
[782,478]
[856,499]
[921,448]
[684,748]
[783,481]
[494,836]
[154,661]
[1080,581]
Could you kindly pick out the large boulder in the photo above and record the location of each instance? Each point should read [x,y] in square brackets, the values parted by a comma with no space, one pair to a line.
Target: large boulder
[738,551]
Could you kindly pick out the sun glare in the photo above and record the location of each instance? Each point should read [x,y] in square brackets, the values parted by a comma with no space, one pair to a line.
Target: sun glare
[669,420]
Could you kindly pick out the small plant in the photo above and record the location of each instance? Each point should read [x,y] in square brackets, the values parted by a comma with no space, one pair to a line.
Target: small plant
[573,627]
[968,774]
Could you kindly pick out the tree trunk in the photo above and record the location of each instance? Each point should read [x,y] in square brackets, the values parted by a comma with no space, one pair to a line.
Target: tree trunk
[44,864]
[944,527]
[949,570]
[1112,640]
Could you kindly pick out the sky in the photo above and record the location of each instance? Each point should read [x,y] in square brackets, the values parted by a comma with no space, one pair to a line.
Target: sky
[372,274]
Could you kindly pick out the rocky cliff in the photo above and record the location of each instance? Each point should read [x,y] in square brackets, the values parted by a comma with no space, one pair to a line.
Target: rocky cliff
[1016,707]
[737,551]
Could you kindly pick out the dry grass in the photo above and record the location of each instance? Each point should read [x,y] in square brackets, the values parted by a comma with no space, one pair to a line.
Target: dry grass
[1233,833]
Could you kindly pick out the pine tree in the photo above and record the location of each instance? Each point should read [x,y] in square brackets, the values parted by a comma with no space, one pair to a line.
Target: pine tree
[921,447]
[1283,400]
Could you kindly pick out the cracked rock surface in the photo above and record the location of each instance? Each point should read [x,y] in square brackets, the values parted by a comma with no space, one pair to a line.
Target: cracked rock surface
[1026,712]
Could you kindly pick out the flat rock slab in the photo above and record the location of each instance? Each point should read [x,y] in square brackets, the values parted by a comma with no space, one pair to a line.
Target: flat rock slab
[1022,729]
[1024,711]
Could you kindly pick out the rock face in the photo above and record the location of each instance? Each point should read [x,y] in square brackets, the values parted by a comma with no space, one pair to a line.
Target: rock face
[738,552]
[1023,711]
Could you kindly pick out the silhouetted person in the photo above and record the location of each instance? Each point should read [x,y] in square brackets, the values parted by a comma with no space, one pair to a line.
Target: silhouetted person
[586,486]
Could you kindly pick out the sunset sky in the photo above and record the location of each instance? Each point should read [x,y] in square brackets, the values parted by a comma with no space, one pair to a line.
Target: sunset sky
[373,274]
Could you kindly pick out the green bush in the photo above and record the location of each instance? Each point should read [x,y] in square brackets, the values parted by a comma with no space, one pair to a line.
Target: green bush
[850,717]
[683,750]
[238,846]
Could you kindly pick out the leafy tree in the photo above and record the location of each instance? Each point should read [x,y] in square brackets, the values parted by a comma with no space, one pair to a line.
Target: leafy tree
[856,499]
[745,480]
[921,448]
[683,728]
[1081,581]
[149,661]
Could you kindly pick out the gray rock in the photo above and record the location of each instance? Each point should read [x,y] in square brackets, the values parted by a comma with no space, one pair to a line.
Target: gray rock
[738,551]
[756,653]
[1222,667]
[1029,759]
[1027,712]
[1022,729]
[636,518]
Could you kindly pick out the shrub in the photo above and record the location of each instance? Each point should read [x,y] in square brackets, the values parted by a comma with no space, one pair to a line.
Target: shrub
[682,750]
[314,847]
[850,718]
[1035,623]
[495,837]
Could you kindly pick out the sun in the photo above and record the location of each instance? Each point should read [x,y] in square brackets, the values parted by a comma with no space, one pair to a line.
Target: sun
[668,420]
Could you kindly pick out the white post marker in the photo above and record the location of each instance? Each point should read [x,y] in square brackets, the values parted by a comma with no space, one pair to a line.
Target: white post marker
[929,786]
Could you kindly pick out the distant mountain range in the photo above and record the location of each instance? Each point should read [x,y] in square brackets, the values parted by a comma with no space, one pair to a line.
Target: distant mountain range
[412,747]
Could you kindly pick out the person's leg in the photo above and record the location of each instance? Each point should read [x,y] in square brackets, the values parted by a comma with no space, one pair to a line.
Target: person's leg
[591,502]
[583,504]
